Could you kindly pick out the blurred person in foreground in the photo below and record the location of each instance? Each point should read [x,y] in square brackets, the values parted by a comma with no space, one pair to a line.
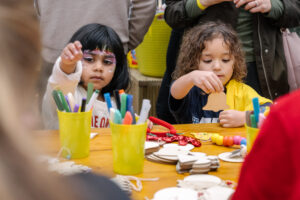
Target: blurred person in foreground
[20,176]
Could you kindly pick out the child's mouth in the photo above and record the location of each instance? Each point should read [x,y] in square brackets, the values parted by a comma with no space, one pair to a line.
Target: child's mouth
[97,78]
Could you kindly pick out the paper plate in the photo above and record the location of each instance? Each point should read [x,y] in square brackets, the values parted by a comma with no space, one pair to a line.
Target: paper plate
[171,152]
[198,154]
[202,161]
[217,193]
[174,193]
[203,180]
[187,147]
[225,157]
[149,145]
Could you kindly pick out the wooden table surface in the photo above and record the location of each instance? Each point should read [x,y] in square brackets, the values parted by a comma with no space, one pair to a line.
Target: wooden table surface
[101,161]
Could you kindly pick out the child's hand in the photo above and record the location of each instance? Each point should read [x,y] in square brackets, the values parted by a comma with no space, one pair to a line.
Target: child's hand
[232,118]
[207,81]
[69,56]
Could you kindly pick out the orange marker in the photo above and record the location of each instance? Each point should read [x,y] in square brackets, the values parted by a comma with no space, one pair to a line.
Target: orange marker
[121,91]
[127,118]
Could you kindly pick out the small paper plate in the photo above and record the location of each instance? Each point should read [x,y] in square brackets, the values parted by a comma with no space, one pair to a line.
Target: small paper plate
[176,193]
[225,157]
[198,154]
[203,180]
[218,193]
[149,145]
[187,147]
[203,177]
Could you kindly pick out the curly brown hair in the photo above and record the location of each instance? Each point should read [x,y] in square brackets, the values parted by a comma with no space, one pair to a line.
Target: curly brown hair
[194,43]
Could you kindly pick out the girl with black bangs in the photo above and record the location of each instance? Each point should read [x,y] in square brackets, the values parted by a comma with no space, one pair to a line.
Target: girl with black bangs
[95,55]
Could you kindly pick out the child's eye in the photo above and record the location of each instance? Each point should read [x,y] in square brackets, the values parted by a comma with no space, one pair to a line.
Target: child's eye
[108,62]
[88,59]
[226,60]
[207,61]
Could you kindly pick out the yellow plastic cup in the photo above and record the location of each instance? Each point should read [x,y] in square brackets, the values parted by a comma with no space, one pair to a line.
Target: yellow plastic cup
[74,133]
[128,148]
[251,136]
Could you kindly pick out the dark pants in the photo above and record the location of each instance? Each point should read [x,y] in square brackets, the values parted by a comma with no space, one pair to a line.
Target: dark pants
[162,105]
[252,77]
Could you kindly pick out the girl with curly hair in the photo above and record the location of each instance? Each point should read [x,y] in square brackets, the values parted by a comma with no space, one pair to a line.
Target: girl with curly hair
[211,60]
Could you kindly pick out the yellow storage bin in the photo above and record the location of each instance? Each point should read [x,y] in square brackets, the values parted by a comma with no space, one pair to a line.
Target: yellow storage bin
[151,53]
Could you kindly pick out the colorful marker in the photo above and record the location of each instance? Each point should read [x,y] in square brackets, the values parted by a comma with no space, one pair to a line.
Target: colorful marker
[108,101]
[56,98]
[90,89]
[127,118]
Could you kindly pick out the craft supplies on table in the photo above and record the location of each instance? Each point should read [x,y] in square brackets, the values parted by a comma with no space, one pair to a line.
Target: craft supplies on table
[185,160]
[216,102]
[74,126]
[220,140]
[170,135]
[128,134]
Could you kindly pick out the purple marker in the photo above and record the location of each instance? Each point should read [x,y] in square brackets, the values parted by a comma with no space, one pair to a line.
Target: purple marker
[66,97]
[76,108]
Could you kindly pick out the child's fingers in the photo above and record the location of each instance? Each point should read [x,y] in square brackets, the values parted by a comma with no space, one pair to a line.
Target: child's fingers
[209,85]
[78,45]
[68,53]
[220,85]
[223,121]
[73,49]
[216,83]
[204,88]
[226,125]
[65,57]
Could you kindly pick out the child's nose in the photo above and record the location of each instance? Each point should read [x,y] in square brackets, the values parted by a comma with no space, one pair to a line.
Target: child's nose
[217,65]
[98,66]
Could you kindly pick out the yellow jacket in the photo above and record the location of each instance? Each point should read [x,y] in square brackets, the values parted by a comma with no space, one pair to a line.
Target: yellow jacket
[239,96]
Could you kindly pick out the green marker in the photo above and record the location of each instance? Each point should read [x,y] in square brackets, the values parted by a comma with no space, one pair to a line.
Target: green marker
[64,102]
[57,100]
[123,104]
[90,89]
[253,121]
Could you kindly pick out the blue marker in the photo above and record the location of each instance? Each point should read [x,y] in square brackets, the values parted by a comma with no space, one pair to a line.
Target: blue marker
[256,108]
[133,115]
[108,102]
[129,102]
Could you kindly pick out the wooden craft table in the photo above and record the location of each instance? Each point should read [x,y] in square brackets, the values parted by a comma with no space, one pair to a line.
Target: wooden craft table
[101,158]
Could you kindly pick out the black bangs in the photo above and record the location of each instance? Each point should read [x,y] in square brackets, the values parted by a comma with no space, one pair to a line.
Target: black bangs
[93,36]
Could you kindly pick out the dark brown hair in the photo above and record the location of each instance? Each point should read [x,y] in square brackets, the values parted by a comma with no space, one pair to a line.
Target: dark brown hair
[21,177]
[193,44]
